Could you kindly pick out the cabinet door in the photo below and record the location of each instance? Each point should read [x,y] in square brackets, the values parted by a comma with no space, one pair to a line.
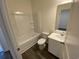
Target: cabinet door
[55,48]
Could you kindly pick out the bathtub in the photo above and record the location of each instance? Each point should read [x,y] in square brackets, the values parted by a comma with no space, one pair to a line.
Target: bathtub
[26,44]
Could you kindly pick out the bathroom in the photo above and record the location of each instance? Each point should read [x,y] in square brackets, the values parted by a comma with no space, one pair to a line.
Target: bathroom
[32,24]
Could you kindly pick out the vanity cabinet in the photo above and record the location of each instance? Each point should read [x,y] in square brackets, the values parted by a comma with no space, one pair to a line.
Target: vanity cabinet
[56,40]
[55,48]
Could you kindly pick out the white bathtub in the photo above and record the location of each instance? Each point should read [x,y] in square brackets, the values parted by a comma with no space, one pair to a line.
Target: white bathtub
[28,43]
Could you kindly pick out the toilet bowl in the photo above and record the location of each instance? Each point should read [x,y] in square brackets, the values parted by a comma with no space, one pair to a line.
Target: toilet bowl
[42,41]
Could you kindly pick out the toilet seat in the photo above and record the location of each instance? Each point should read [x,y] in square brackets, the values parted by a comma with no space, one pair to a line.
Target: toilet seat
[41,41]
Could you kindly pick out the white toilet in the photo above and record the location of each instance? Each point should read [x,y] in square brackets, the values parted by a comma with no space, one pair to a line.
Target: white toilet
[42,41]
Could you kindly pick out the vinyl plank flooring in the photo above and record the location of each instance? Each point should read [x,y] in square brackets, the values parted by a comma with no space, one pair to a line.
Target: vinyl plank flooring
[35,53]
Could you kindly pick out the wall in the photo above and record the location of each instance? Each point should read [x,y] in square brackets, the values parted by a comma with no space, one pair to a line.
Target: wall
[72,42]
[3,44]
[1,49]
[45,13]
[3,36]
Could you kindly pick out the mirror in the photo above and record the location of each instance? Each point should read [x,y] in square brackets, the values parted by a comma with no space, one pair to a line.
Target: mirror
[63,16]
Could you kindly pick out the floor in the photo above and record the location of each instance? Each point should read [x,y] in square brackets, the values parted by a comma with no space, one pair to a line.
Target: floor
[5,55]
[36,53]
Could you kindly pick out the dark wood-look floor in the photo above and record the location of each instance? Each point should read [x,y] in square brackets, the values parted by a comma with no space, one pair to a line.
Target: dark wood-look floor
[35,53]
[5,55]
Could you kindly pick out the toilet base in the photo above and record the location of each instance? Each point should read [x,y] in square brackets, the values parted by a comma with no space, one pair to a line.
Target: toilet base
[41,47]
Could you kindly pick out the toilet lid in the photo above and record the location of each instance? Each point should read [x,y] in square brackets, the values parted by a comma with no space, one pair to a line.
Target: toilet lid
[41,41]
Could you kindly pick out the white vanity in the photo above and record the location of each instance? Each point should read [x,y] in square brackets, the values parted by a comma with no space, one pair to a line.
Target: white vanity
[56,43]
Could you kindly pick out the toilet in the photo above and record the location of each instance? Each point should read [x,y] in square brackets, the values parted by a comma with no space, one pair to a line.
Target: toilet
[42,41]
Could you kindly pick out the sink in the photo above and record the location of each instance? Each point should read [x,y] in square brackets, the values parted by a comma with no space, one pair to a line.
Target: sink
[58,36]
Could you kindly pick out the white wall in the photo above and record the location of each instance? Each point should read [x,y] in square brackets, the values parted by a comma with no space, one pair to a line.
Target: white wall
[1,49]
[72,42]
[3,43]
[46,12]
[3,36]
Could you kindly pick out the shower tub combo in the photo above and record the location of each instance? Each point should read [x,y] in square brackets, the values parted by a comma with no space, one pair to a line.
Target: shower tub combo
[26,44]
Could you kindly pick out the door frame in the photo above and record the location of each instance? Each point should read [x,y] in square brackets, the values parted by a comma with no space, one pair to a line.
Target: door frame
[10,38]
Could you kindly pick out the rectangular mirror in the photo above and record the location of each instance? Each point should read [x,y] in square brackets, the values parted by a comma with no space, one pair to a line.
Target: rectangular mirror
[63,16]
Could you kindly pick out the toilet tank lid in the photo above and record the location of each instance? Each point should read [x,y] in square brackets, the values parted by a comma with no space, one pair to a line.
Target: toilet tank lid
[46,33]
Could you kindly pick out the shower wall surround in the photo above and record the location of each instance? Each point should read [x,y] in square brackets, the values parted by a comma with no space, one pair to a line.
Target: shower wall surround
[21,20]
[25,27]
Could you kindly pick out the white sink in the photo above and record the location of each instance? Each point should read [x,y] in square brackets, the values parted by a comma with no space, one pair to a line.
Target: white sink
[58,36]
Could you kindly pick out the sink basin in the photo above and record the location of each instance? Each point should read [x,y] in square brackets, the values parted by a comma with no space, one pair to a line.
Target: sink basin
[57,36]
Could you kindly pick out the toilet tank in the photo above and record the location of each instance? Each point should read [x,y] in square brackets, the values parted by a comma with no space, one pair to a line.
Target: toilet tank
[45,35]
